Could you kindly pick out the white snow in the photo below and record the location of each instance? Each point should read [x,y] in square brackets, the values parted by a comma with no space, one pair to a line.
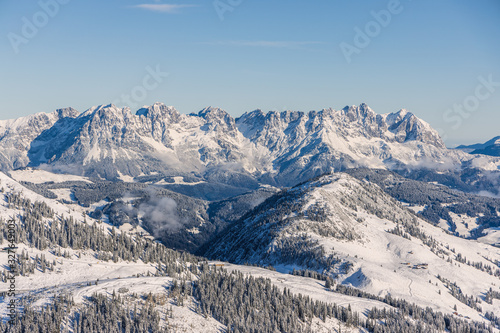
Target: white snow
[178,180]
[307,286]
[38,176]
[125,178]
[10,185]
[465,224]
[193,230]
[63,194]
[492,236]
[384,263]
[417,209]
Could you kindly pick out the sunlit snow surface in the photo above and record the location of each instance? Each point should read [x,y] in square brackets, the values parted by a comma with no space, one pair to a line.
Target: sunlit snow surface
[379,264]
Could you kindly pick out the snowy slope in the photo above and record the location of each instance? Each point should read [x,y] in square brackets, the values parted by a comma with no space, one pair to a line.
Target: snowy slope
[464,214]
[80,274]
[9,185]
[348,218]
[38,176]
[343,218]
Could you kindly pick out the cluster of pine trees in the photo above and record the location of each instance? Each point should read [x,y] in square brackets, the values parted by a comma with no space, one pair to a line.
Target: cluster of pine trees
[255,305]
[100,314]
[311,274]
[491,295]
[242,303]
[456,292]
[110,315]
[35,320]
[301,250]
[64,232]
[495,320]
[478,265]
[267,309]
[433,196]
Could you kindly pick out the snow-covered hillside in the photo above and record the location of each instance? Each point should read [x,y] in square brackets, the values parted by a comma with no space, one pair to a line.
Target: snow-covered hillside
[50,271]
[474,216]
[70,262]
[354,232]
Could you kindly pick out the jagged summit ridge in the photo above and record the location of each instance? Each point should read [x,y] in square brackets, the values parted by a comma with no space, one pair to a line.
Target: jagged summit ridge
[279,148]
[401,126]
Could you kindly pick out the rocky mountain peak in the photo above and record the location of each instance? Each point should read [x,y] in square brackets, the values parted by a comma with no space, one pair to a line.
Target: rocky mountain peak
[160,112]
[408,127]
[252,115]
[217,119]
[66,112]
[104,110]
[396,117]
[358,113]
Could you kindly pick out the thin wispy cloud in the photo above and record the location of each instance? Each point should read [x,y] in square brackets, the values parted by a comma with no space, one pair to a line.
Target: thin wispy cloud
[266,43]
[163,8]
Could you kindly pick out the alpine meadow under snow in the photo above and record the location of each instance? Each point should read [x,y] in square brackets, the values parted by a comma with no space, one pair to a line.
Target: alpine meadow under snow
[325,221]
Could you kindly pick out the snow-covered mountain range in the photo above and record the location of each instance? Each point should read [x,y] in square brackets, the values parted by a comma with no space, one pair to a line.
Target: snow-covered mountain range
[278,148]
[16,135]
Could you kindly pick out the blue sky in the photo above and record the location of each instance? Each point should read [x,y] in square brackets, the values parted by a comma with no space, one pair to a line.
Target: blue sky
[438,59]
